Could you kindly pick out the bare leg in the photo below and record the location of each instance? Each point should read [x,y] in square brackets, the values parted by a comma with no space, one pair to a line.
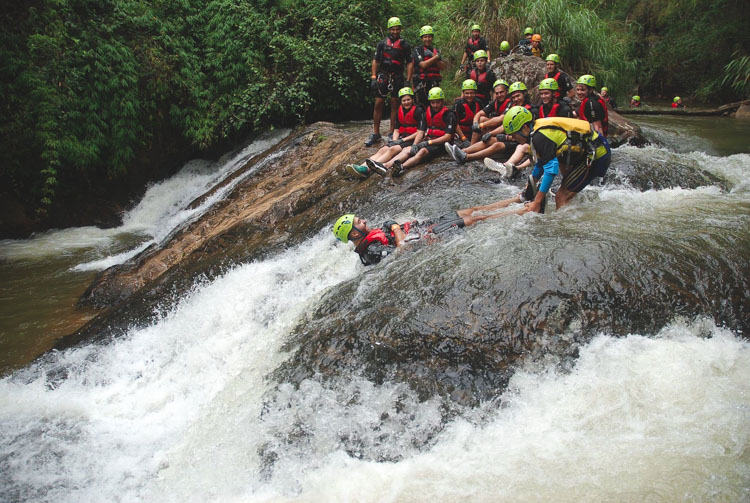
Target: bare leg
[475,137]
[494,148]
[386,153]
[563,197]
[518,156]
[416,159]
[377,115]
[504,203]
[402,156]
[479,146]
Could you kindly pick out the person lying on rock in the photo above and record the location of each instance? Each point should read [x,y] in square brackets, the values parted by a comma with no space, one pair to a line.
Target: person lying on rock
[441,126]
[410,128]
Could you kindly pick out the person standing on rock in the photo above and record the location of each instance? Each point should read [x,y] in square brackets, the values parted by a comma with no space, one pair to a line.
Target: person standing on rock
[475,43]
[429,62]
[564,83]
[482,76]
[593,108]
[410,128]
[609,100]
[392,56]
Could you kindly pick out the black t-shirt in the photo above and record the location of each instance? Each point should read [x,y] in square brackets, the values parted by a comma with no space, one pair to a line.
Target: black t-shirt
[593,111]
[406,51]
[544,147]
[419,116]
[563,81]
[489,110]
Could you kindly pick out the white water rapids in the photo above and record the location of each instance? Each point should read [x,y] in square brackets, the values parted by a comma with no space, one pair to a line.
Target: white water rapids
[178,411]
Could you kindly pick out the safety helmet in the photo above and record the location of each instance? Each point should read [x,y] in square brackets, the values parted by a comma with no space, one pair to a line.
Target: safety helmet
[500,82]
[587,80]
[469,84]
[604,89]
[553,57]
[435,94]
[550,84]
[426,30]
[394,21]
[515,118]
[528,31]
[517,86]
[475,27]
[404,91]
[480,54]
[536,37]
[504,45]
[343,227]
[636,98]
[676,99]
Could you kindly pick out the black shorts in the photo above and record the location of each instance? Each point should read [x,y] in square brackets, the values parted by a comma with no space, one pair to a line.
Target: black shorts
[445,223]
[433,151]
[581,175]
[388,83]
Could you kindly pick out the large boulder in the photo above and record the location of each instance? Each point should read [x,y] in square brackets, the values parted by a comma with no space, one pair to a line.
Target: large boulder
[743,112]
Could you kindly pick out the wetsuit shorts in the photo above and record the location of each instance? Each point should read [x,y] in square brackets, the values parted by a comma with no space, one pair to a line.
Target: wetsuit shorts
[445,223]
[388,83]
[580,176]
[433,151]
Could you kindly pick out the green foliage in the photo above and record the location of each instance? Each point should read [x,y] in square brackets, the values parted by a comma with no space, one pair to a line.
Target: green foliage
[737,75]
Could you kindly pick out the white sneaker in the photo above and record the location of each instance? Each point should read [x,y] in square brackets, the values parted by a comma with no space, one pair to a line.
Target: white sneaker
[495,166]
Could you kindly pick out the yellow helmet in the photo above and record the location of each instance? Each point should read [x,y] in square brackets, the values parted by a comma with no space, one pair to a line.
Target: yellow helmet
[343,227]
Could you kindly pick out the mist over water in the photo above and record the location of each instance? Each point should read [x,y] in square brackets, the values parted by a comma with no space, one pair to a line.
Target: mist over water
[192,407]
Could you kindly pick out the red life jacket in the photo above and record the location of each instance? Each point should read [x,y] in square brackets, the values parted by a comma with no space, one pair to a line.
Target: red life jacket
[552,112]
[407,122]
[674,105]
[605,120]
[471,46]
[436,126]
[481,80]
[393,54]
[557,79]
[431,72]
[502,108]
[468,119]
[378,236]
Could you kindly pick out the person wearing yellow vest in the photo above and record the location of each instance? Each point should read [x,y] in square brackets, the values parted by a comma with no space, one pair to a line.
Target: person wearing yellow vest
[559,144]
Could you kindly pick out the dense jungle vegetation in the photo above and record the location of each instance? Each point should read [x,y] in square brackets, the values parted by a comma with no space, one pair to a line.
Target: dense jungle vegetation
[100,96]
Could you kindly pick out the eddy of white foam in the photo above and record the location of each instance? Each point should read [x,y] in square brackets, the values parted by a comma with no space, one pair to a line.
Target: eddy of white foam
[639,418]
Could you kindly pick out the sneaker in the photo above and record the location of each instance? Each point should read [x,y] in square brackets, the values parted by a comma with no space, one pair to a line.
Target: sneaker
[495,166]
[459,155]
[398,169]
[374,138]
[357,170]
[377,167]
[529,193]
[449,148]
[510,169]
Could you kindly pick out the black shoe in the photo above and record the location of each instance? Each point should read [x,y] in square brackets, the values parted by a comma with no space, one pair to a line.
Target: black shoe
[374,138]
[398,169]
[459,154]
[377,167]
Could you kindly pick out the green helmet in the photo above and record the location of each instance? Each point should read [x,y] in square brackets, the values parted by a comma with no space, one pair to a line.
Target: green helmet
[394,21]
[676,99]
[517,86]
[426,30]
[476,27]
[604,89]
[587,80]
[343,227]
[469,84]
[404,91]
[504,45]
[480,54]
[553,57]
[435,94]
[500,82]
[636,98]
[515,118]
[528,31]
[550,84]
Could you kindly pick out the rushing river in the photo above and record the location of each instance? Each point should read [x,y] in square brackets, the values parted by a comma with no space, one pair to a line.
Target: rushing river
[194,407]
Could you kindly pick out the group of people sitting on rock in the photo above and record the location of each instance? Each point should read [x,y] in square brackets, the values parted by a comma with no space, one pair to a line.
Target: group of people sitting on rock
[488,120]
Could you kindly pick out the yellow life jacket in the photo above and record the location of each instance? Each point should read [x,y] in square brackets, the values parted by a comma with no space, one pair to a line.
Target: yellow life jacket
[572,136]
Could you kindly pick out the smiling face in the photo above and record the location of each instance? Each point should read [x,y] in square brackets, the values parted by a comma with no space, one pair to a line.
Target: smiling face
[517,97]
[551,66]
[407,101]
[394,32]
[436,105]
[427,40]
[582,91]
[501,92]
[546,96]
[468,94]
